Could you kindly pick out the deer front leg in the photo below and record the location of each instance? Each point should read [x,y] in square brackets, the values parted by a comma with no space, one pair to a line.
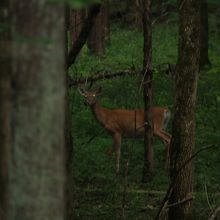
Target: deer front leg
[117,149]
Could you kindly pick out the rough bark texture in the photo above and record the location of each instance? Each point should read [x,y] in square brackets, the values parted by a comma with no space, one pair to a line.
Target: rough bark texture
[97,38]
[37,165]
[5,95]
[204,34]
[147,86]
[183,140]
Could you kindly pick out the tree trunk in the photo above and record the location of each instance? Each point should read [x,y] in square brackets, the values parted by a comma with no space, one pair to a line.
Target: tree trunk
[159,7]
[183,135]
[82,38]
[75,24]
[147,86]
[204,34]
[37,164]
[137,12]
[97,38]
[5,96]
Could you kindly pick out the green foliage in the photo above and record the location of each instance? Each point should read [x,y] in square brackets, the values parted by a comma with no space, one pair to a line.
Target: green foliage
[98,190]
[82,3]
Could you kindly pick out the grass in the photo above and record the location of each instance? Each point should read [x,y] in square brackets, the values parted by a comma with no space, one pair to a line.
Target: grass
[98,190]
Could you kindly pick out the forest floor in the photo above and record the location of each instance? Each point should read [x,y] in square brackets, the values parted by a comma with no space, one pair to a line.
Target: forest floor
[99,193]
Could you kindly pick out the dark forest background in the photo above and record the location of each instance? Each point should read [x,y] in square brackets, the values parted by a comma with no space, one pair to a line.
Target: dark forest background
[53,152]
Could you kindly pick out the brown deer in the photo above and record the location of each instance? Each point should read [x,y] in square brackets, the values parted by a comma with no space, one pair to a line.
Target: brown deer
[130,123]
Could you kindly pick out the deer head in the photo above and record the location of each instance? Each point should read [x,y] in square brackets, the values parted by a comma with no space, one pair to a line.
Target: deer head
[90,97]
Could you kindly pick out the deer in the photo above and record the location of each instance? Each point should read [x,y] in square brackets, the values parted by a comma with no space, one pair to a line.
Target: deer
[129,123]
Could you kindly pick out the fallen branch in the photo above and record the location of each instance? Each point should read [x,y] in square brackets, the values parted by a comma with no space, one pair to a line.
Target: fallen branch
[100,76]
[109,75]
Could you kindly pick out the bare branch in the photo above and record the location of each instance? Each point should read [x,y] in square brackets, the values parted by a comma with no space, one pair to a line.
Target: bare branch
[214,214]
[207,197]
[104,75]
[180,202]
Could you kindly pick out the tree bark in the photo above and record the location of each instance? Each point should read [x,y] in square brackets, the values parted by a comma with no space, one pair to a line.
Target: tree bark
[5,96]
[183,134]
[37,164]
[98,34]
[204,34]
[159,7]
[83,36]
[75,24]
[147,89]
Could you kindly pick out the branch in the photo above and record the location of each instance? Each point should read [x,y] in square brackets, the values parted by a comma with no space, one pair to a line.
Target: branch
[212,217]
[104,75]
[180,202]
[81,40]
[109,75]
[168,193]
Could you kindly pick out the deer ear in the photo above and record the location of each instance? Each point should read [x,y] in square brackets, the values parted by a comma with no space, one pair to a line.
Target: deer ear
[82,91]
[99,90]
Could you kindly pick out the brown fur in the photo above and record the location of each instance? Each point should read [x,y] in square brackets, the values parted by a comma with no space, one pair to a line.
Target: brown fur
[130,123]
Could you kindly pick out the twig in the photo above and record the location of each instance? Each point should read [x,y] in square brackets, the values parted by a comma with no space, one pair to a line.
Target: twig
[125,187]
[180,202]
[214,214]
[207,197]
[92,138]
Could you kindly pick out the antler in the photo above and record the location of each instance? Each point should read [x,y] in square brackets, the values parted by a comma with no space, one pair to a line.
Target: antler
[82,91]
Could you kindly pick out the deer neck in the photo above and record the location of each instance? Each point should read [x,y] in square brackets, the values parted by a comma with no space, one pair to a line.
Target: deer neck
[99,112]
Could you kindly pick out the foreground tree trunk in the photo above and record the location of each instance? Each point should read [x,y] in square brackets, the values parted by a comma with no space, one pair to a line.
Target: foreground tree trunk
[68,136]
[37,164]
[147,85]
[204,34]
[183,140]
[5,97]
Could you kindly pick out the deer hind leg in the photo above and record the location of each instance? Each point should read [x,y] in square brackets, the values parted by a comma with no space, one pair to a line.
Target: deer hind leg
[167,116]
[166,137]
[167,145]
[117,149]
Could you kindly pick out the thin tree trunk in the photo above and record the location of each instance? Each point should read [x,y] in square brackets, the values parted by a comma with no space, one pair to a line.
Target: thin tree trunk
[75,24]
[159,7]
[147,85]
[97,38]
[5,96]
[37,164]
[83,36]
[183,134]
[138,9]
[204,34]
